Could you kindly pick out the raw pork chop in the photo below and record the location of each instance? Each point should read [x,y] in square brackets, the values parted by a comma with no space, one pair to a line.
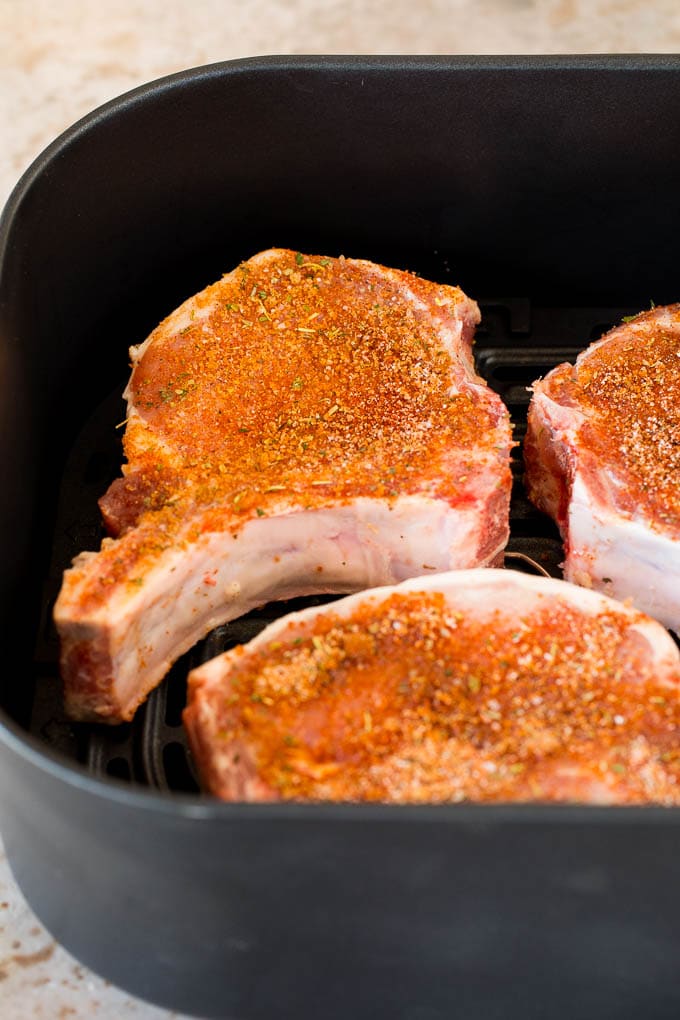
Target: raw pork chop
[305,425]
[484,685]
[602,457]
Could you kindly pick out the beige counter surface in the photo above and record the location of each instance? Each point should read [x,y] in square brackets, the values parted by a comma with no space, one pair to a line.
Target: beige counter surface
[59,60]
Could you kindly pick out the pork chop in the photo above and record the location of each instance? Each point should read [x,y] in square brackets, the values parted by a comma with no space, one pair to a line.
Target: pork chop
[484,685]
[305,425]
[602,457]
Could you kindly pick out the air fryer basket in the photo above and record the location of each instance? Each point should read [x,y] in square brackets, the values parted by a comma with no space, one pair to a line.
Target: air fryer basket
[547,189]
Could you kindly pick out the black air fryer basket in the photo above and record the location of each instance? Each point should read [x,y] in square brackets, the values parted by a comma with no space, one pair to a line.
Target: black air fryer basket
[548,188]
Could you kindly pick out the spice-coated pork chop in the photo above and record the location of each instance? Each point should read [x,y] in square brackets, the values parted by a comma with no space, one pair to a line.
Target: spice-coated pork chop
[483,685]
[305,425]
[602,457]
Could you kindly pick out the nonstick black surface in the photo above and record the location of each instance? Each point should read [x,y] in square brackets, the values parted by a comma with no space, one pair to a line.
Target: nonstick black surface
[516,343]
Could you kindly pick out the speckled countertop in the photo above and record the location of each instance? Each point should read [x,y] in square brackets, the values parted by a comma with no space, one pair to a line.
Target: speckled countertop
[60,60]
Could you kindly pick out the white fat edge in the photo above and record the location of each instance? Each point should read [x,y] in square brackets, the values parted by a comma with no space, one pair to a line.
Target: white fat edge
[654,319]
[623,557]
[662,318]
[198,306]
[360,545]
[473,589]
[454,300]
[427,536]
[562,425]
[152,444]
[624,331]
[422,525]
[542,384]
[193,310]
[563,421]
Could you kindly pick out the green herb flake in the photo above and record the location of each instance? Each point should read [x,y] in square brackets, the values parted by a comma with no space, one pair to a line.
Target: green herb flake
[297,383]
[474,684]
[260,512]
[618,768]
[299,258]
[289,740]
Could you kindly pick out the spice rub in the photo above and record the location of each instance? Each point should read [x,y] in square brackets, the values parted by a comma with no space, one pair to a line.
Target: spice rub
[484,686]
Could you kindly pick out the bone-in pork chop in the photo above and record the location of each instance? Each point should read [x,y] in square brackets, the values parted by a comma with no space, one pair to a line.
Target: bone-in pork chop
[305,425]
[473,685]
[602,457]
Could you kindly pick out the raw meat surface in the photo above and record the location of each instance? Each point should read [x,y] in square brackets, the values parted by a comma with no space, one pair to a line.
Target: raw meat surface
[305,425]
[602,457]
[484,685]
